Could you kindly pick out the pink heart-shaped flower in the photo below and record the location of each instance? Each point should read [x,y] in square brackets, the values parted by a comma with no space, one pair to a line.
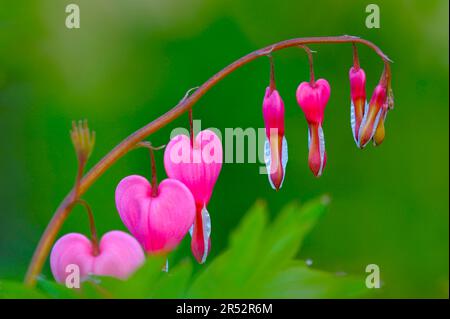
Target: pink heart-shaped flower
[312,99]
[119,256]
[158,222]
[198,167]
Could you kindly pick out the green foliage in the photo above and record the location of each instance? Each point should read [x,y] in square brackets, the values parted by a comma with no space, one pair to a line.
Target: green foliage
[260,262]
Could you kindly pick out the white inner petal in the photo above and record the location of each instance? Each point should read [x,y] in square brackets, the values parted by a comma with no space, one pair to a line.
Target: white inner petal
[206,222]
[267,160]
[321,149]
[353,121]
[363,122]
[309,138]
[284,157]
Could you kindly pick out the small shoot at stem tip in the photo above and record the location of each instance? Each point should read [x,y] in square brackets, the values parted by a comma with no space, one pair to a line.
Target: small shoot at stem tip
[83,140]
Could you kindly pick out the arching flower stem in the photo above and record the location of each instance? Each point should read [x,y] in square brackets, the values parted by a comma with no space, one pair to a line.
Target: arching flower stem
[51,231]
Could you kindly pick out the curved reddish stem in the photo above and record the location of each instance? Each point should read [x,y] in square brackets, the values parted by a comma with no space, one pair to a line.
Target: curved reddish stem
[50,233]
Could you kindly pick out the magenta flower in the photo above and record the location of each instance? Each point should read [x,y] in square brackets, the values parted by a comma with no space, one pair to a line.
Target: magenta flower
[313,98]
[377,106]
[196,163]
[275,147]
[158,218]
[358,96]
[119,256]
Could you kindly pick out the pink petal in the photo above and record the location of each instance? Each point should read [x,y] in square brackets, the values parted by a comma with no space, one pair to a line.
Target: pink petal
[158,223]
[199,167]
[120,255]
[73,249]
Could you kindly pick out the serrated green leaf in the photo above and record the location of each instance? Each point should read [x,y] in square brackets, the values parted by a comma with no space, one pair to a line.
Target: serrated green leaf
[17,290]
[284,238]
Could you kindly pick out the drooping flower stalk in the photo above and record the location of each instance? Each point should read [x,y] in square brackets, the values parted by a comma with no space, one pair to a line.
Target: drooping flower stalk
[49,235]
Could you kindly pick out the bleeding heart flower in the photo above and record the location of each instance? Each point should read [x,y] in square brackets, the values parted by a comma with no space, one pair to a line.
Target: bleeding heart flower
[158,221]
[197,164]
[358,97]
[372,116]
[275,147]
[313,98]
[119,255]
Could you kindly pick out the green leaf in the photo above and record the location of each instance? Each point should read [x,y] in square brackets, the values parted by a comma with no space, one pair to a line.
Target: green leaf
[55,290]
[299,281]
[258,263]
[223,277]
[139,285]
[174,283]
[16,290]
[285,236]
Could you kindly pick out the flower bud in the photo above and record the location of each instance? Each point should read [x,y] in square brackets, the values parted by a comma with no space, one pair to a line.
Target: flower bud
[372,116]
[358,99]
[275,147]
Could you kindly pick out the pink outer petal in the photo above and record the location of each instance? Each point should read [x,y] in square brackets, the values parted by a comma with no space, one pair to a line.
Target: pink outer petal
[158,223]
[120,255]
[357,84]
[199,168]
[75,249]
[313,100]
[132,202]
[273,112]
[172,213]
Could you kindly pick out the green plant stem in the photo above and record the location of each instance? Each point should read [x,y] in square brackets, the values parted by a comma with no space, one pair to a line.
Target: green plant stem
[50,233]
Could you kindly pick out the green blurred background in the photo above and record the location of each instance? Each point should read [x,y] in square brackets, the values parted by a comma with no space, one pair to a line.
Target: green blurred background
[132,60]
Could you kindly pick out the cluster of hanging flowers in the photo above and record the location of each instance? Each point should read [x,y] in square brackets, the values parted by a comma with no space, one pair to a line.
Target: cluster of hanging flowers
[157,214]
[160,214]
[367,119]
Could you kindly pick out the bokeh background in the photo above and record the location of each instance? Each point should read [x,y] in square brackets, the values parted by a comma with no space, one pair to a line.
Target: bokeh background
[132,60]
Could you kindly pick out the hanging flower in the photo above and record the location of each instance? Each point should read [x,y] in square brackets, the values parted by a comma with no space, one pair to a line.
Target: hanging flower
[373,115]
[313,99]
[275,147]
[197,164]
[158,216]
[119,255]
